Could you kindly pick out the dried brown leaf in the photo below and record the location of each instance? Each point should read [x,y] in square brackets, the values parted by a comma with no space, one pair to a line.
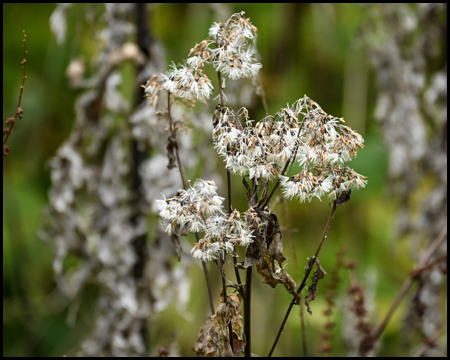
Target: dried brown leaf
[343,198]
[319,274]
[270,249]
[273,277]
[213,339]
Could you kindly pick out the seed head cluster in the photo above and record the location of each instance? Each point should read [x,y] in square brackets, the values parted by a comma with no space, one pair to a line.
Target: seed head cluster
[228,49]
[234,56]
[319,143]
[302,134]
[200,209]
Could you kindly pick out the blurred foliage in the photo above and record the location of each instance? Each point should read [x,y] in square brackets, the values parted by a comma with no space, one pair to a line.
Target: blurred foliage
[304,49]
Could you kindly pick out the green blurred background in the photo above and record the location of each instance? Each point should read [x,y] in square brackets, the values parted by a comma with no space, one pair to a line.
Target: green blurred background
[304,49]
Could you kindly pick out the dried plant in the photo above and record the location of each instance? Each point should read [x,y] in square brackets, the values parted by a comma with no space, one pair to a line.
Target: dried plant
[95,215]
[19,112]
[213,340]
[260,152]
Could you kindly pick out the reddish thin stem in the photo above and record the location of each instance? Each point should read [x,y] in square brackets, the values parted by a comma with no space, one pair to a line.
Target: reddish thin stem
[422,265]
[431,341]
[11,121]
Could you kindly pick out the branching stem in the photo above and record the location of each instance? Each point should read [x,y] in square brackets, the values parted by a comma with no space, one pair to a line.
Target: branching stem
[422,266]
[431,341]
[222,102]
[305,278]
[10,121]
[238,277]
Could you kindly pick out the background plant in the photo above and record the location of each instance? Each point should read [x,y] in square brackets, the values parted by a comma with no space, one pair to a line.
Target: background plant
[19,112]
[324,72]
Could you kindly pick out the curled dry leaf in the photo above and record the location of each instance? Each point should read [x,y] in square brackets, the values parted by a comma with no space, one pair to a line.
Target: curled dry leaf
[265,249]
[265,268]
[343,198]
[213,338]
[312,289]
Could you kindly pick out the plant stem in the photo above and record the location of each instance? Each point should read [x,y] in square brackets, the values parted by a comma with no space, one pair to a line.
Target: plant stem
[208,285]
[222,102]
[431,341]
[247,311]
[422,265]
[208,281]
[224,290]
[174,135]
[291,160]
[305,278]
[236,270]
[180,168]
[11,121]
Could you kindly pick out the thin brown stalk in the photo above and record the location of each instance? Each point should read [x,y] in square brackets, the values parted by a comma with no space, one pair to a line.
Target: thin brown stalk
[431,341]
[11,121]
[180,168]
[236,270]
[208,281]
[275,187]
[288,163]
[224,289]
[222,102]
[422,265]
[305,278]
[174,135]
